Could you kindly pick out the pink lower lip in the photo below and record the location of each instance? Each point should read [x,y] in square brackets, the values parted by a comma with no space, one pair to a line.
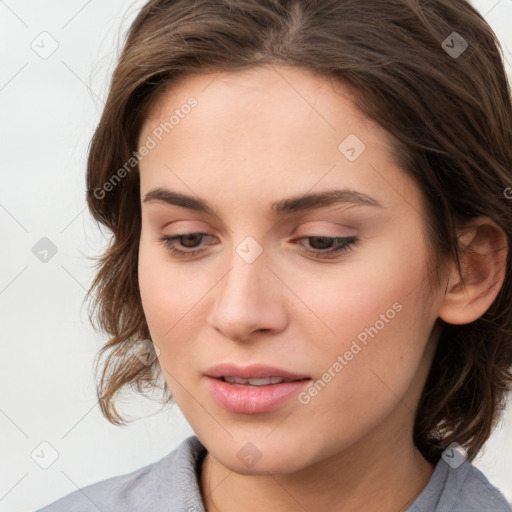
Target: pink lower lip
[254,400]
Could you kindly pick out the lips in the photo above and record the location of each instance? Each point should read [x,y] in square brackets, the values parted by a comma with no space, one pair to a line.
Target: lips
[253,389]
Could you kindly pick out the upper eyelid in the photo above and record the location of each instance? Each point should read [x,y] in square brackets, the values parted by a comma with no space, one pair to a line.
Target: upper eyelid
[297,220]
[299,225]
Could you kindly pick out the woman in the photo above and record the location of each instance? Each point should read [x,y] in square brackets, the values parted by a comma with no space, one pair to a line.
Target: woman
[311,224]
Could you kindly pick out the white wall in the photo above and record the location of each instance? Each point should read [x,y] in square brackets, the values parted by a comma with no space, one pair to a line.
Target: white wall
[49,109]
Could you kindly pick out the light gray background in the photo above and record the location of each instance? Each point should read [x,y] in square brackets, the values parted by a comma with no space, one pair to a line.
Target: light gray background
[49,108]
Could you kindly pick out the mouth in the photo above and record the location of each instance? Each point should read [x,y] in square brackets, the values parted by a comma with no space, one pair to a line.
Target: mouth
[255,374]
[253,389]
[256,382]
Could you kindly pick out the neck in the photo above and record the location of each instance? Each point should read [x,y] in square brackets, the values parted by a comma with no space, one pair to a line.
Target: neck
[384,476]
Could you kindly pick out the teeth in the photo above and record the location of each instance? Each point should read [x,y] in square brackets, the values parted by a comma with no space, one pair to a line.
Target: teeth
[255,382]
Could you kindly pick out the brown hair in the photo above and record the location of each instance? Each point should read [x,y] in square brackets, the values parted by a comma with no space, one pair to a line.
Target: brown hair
[449,114]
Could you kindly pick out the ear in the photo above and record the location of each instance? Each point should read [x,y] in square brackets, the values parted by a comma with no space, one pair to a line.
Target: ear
[482,255]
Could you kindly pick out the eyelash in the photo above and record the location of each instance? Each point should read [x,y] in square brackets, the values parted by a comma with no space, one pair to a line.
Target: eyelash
[345,244]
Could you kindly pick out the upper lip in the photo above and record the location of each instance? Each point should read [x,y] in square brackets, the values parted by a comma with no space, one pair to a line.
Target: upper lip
[253,371]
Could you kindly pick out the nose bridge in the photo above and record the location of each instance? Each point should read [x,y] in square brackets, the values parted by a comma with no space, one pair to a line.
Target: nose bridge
[244,282]
[247,269]
[245,301]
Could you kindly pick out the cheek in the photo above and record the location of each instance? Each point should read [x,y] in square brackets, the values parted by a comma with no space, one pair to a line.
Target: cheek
[371,313]
[176,302]
[352,296]
[167,294]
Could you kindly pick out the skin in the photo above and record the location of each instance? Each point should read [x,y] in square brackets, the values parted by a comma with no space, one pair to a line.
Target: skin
[254,138]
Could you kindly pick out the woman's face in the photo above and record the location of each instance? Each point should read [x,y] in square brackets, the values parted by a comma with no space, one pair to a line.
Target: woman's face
[313,262]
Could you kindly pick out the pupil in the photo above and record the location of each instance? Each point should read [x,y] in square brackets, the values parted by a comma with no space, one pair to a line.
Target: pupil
[325,242]
[190,238]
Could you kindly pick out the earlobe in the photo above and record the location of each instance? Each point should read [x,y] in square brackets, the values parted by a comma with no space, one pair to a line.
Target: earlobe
[482,254]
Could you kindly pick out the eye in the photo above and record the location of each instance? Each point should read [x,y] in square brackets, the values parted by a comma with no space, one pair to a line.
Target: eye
[188,240]
[328,247]
[323,247]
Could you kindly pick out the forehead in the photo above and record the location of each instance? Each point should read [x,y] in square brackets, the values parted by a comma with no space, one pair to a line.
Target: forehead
[265,93]
[262,80]
[262,129]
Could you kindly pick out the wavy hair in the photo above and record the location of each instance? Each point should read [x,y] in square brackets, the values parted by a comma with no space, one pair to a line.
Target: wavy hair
[448,112]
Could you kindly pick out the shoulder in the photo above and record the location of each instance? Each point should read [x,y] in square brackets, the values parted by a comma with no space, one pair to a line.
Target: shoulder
[152,487]
[479,494]
[461,489]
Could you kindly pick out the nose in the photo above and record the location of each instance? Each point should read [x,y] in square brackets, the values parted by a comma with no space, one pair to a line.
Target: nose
[249,299]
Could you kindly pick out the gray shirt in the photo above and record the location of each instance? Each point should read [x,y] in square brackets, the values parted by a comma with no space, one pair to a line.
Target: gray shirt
[171,485]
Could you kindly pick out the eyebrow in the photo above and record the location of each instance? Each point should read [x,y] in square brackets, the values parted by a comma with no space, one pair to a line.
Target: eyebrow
[280,208]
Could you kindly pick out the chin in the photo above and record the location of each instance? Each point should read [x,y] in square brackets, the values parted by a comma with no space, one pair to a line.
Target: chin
[275,465]
[262,456]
